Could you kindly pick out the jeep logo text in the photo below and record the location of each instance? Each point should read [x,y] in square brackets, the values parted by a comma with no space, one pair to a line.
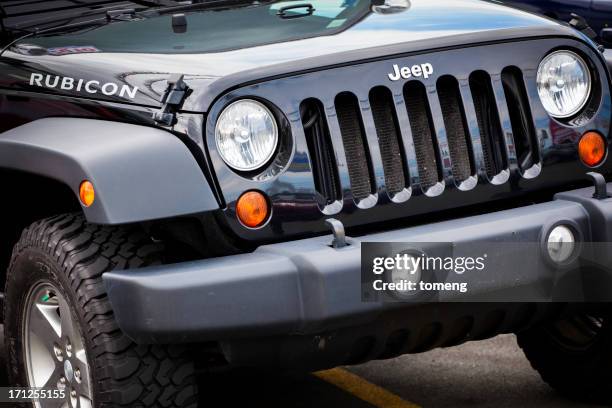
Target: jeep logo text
[422,70]
[91,86]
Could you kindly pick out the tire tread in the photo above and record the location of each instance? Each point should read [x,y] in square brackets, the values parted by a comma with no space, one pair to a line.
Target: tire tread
[127,374]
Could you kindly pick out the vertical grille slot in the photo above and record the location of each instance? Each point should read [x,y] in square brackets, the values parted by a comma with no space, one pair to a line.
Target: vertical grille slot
[489,124]
[425,146]
[387,130]
[325,171]
[523,130]
[355,145]
[456,127]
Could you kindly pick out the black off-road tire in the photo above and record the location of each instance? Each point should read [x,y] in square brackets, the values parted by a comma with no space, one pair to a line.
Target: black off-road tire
[573,355]
[73,255]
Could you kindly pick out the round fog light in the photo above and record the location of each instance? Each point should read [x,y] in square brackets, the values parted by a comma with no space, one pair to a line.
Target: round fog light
[561,243]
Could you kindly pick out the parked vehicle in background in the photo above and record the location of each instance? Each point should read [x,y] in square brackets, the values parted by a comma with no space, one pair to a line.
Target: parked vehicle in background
[598,13]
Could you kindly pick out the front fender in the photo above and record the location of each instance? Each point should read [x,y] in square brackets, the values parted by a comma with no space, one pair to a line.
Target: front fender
[139,173]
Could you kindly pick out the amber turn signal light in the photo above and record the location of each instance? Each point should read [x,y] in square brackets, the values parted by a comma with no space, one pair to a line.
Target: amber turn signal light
[87,194]
[252,209]
[592,148]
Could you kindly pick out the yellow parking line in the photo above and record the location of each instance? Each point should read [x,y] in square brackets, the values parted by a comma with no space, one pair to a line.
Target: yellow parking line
[362,389]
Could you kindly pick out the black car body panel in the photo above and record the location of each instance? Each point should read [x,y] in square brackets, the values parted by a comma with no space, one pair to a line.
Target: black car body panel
[470,36]
[146,52]
[126,173]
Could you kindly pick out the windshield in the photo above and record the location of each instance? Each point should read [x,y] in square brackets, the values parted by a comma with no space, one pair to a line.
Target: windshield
[219,29]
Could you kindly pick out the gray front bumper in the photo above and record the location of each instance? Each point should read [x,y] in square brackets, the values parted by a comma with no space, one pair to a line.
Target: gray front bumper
[306,286]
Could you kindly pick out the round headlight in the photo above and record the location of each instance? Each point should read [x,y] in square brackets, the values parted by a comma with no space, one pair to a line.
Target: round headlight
[564,83]
[246,135]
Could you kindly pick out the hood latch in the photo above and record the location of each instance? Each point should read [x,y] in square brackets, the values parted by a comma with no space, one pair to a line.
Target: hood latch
[172,100]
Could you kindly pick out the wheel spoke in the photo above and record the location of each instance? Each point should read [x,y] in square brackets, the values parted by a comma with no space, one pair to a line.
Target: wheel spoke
[42,324]
[55,350]
[45,322]
[67,325]
[84,402]
[46,364]
[54,378]
[81,364]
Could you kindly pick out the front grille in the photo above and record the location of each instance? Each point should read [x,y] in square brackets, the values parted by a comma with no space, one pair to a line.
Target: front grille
[324,168]
[383,156]
[388,134]
[408,138]
[353,137]
[420,122]
[525,139]
[489,125]
[456,127]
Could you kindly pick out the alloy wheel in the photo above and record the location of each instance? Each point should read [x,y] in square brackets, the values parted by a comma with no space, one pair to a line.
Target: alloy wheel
[55,354]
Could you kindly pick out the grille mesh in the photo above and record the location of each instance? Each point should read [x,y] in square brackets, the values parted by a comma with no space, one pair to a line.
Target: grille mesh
[324,168]
[450,102]
[418,107]
[525,140]
[387,130]
[488,122]
[351,128]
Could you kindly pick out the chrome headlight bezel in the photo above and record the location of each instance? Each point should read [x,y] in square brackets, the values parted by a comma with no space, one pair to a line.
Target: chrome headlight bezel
[262,161]
[588,78]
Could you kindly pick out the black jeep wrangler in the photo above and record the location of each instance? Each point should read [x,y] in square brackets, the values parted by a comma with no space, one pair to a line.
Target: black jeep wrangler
[192,181]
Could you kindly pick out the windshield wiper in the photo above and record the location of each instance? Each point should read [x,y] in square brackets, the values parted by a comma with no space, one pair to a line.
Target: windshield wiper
[79,15]
[209,4]
[157,3]
[64,28]
[37,16]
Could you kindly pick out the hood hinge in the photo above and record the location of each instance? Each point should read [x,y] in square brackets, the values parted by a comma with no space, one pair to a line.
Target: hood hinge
[172,101]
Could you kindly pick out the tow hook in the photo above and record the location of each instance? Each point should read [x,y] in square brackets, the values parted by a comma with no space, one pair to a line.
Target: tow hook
[338,230]
[601,188]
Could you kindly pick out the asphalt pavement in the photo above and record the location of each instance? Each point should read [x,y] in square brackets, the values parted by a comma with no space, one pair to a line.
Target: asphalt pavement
[492,373]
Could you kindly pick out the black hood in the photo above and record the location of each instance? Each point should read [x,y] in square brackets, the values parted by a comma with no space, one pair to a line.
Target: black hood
[221,49]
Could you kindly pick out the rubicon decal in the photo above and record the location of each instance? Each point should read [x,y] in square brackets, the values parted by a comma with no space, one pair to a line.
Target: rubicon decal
[72,49]
[419,70]
[83,85]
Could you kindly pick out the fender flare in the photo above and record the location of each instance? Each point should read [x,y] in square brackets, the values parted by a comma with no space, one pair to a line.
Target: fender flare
[139,173]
